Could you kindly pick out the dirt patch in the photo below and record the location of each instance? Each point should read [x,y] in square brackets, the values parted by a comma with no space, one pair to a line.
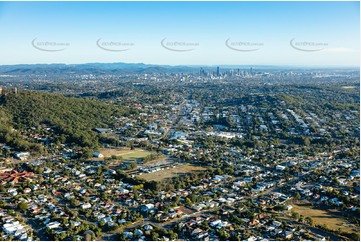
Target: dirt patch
[186,210]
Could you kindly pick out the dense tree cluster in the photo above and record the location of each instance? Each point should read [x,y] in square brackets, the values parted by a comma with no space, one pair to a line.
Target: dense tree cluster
[71,118]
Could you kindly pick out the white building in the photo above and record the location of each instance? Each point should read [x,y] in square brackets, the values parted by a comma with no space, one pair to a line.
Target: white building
[86,206]
[53,225]
[280,168]
[98,155]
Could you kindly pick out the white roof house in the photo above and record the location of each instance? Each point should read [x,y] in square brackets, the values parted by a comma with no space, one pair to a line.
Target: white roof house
[53,225]
[98,155]
[86,205]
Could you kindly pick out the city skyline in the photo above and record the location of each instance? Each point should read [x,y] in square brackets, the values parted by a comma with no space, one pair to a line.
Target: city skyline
[181,33]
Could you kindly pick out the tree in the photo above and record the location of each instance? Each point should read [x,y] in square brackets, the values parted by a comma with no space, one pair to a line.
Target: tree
[2,204]
[173,235]
[88,213]
[88,236]
[62,235]
[306,141]
[279,207]
[132,165]
[295,215]
[154,236]
[23,206]
[64,221]
[2,188]
[309,221]
[101,223]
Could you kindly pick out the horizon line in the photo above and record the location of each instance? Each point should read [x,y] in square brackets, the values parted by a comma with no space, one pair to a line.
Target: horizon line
[194,65]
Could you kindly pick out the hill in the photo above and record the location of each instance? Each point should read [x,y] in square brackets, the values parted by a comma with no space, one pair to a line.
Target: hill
[71,118]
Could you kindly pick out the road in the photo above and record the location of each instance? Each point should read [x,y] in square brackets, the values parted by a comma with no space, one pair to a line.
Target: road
[175,122]
[168,223]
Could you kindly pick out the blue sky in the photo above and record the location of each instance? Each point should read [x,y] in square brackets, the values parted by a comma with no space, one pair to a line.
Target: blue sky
[140,27]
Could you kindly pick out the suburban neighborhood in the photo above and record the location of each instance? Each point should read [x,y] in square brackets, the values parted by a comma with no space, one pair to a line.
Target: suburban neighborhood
[206,156]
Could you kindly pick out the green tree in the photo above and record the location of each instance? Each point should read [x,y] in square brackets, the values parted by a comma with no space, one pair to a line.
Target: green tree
[22,206]
[295,215]
[309,221]
[154,236]
[306,141]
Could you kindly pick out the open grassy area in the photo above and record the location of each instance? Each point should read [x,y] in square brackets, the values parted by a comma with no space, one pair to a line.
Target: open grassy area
[348,87]
[331,219]
[126,154]
[171,172]
[135,155]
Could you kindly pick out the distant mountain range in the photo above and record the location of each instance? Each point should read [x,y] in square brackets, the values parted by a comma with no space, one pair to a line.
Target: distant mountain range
[90,68]
[120,68]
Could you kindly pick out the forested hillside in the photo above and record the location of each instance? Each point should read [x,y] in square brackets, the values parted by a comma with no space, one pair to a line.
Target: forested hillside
[72,118]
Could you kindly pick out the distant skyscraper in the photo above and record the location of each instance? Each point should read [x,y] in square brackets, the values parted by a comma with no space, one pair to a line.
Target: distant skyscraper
[202,72]
[218,74]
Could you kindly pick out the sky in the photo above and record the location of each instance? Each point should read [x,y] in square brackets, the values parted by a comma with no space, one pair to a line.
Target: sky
[181,33]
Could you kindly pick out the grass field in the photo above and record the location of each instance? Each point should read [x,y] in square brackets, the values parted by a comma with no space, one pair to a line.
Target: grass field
[348,87]
[171,172]
[332,220]
[126,154]
[135,155]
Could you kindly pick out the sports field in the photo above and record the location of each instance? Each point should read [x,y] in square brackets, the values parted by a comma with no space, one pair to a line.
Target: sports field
[125,154]
[171,172]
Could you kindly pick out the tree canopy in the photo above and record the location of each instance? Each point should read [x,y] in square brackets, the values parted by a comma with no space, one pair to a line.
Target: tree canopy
[71,118]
